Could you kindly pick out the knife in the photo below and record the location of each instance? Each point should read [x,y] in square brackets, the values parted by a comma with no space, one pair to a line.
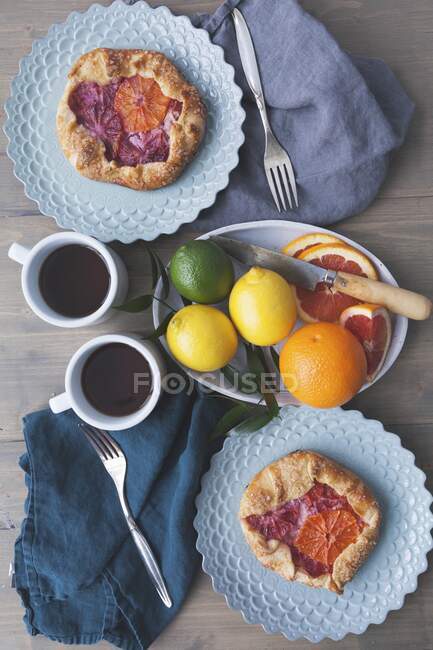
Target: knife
[308,276]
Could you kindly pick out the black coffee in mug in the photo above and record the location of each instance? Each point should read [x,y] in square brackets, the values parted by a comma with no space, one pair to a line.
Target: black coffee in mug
[74,281]
[116,379]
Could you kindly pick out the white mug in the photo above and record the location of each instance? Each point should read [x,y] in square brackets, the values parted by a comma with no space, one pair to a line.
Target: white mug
[32,260]
[74,397]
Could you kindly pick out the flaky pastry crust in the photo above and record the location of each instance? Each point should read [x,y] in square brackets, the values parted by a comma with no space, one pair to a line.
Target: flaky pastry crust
[289,478]
[86,153]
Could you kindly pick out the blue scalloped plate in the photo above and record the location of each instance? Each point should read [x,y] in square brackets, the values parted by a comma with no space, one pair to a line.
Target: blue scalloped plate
[390,572]
[104,210]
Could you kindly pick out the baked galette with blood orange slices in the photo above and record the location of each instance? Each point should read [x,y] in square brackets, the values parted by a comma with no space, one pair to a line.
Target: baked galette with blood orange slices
[129,117]
[310,520]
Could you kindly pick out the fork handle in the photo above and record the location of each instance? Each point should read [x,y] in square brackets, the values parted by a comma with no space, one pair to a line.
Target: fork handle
[150,563]
[249,63]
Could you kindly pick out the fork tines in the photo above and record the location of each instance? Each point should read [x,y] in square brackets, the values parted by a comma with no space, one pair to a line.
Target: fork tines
[102,443]
[278,176]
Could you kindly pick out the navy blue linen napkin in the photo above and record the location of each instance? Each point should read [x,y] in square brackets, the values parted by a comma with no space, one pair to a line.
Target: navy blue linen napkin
[77,569]
[337,115]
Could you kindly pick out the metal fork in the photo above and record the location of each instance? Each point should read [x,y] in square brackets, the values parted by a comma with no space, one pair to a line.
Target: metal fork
[278,167]
[114,462]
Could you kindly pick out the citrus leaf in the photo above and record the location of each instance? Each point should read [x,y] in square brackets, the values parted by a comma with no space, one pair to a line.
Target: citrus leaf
[275,358]
[153,268]
[229,374]
[160,330]
[163,274]
[230,419]
[253,423]
[257,368]
[243,382]
[141,303]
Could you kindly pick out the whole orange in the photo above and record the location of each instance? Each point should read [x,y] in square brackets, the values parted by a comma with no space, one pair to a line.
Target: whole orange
[323,365]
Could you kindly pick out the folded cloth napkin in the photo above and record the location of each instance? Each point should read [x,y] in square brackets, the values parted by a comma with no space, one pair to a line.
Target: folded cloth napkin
[77,569]
[338,116]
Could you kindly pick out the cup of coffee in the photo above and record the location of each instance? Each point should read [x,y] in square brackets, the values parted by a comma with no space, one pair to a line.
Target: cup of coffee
[112,382]
[71,280]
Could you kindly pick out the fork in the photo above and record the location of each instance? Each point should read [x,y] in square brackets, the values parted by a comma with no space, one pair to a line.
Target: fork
[114,462]
[278,167]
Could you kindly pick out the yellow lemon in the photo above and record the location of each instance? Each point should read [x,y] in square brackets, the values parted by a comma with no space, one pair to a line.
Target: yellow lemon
[262,306]
[202,338]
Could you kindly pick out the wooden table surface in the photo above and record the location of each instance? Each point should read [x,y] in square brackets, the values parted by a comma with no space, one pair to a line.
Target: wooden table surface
[398,227]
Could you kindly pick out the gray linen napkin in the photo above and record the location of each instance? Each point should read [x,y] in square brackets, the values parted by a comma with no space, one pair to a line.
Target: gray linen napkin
[338,116]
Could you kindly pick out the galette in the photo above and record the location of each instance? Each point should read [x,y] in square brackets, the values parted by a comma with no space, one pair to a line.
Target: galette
[129,117]
[310,520]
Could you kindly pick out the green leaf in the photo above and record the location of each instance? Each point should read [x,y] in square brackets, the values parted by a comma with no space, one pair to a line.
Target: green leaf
[254,422]
[153,268]
[243,382]
[160,330]
[229,374]
[275,358]
[230,419]
[258,368]
[141,303]
[163,274]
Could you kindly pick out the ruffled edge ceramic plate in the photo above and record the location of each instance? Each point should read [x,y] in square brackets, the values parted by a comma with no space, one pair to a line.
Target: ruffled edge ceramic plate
[103,210]
[383,581]
[274,234]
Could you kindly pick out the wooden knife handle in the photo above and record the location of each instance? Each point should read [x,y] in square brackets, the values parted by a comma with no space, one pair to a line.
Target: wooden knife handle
[400,301]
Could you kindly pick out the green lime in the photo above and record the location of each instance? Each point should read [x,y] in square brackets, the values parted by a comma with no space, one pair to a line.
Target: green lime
[202,272]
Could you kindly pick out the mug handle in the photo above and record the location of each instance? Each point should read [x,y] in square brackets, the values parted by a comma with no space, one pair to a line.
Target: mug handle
[60,403]
[18,253]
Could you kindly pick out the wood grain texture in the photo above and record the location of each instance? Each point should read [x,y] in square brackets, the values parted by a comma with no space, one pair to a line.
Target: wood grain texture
[398,228]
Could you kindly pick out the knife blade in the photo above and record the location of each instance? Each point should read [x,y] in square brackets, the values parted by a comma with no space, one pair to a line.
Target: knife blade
[302,274]
[308,276]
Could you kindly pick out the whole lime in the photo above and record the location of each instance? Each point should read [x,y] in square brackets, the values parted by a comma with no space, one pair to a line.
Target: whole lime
[202,272]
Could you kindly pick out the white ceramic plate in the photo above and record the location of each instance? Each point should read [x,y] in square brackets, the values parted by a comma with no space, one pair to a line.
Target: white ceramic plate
[104,210]
[274,234]
[391,570]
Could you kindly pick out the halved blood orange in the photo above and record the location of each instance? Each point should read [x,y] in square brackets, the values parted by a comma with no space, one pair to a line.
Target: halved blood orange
[141,103]
[297,246]
[325,535]
[371,325]
[325,303]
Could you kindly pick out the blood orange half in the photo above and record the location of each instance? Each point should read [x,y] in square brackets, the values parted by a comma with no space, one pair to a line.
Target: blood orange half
[141,103]
[297,246]
[371,325]
[325,303]
[325,535]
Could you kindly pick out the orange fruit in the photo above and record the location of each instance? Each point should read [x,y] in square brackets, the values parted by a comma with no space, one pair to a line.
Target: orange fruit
[141,103]
[325,303]
[297,246]
[325,535]
[371,325]
[323,365]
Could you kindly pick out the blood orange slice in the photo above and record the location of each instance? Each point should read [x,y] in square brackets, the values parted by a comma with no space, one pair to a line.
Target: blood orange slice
[325,535]
[141,104]
[371,325]
[297,246]
[325,303]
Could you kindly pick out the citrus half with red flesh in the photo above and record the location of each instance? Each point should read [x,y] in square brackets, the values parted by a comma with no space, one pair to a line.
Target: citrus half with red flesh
[371,324]
[325,303]
[297,246]
[141,103]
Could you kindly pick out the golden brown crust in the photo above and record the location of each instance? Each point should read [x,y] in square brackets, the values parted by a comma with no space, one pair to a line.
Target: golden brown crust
[291,477]
[86,153]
